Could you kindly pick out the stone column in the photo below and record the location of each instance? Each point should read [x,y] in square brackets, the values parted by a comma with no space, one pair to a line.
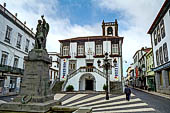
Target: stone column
[165,78]
[157,80]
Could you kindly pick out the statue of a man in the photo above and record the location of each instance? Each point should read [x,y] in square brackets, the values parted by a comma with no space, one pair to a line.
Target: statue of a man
[41,34]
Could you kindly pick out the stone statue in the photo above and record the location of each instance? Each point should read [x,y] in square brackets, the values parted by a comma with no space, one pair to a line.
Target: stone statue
[41,34]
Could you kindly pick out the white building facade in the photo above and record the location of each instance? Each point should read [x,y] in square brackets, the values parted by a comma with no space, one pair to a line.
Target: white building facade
[79,57]
[16,40]
[160,38]
[54,71]
[139,66]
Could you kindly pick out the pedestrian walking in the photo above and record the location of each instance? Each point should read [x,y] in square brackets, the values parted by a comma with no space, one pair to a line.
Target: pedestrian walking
[127,92]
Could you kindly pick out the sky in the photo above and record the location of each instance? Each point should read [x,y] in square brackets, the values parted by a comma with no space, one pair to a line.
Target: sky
[76,18]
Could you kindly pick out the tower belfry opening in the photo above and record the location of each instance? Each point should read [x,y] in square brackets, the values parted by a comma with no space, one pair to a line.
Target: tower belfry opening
[110,28]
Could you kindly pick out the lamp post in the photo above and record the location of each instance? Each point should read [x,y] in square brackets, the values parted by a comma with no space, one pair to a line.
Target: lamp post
[106,65]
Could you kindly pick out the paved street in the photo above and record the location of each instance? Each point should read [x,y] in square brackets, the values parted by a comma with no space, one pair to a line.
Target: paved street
[162,105]
[140,102]
[100,105]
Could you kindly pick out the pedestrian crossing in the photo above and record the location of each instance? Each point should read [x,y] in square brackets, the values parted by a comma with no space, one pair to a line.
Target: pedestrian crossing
[115,104]
[1,102]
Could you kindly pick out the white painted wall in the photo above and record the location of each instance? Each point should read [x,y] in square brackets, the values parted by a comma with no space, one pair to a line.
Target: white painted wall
[11,48]
[100,81]
[82,61]
[165,39]
[113,27]
[18,82]
[89,52]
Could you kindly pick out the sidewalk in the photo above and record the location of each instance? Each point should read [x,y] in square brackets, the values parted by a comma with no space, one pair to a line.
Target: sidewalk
[8,94]
[154,93]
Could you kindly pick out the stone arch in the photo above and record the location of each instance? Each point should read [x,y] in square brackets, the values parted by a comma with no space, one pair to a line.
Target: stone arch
[84,81]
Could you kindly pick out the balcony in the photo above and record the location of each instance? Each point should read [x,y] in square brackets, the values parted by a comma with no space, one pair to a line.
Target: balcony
[12,70]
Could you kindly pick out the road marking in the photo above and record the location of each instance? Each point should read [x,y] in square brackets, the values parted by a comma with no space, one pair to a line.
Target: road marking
[1,102]
[88,99]
[121,106]
[117,103]
[58,96]
[75,97]
[127,110]
[100,101]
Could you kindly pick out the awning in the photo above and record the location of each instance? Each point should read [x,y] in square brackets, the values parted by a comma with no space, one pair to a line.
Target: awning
[164,66]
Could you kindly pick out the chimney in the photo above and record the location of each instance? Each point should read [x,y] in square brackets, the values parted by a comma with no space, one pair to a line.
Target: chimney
[103,28]
[116,28]
[16,15]
[4,4]
[24,22]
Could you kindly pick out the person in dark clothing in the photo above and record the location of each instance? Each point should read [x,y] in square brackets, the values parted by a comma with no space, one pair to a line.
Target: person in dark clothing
[127,92]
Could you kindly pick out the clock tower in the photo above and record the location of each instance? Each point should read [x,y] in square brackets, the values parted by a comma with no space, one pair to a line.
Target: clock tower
[110,28]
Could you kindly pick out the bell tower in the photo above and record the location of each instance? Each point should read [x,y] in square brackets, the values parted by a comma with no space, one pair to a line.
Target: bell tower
[110,28]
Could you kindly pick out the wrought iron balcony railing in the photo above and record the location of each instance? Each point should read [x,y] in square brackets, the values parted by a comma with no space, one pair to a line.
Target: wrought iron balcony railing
[12,70]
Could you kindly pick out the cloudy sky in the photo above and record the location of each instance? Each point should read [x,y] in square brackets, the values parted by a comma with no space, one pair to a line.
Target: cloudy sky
[72,18]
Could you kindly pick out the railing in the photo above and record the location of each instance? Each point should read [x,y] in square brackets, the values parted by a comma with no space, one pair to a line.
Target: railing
[53,84]
[86,69]
[13,70]
[83,69]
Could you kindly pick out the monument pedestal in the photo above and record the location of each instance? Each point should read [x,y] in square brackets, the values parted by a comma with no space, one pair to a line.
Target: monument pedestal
[35,95]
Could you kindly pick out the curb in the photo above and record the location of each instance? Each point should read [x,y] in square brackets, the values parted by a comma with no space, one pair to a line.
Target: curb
[1,96]
[154,93]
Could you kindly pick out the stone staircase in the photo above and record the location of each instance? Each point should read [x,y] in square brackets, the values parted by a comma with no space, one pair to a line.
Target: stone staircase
[83,69]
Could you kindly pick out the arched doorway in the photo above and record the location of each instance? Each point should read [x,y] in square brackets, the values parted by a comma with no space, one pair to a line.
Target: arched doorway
[87,82]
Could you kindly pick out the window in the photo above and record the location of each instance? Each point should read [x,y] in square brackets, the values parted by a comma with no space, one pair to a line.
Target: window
[155,38]
[18,45]
[165,51]
[161,55]
[8,34]
[80,51]
[115,49]
[27,45]
[99,49]
[157,57]
[4,58]
[72,66]
[65,50]
[33,45]
[16,59]
[54,75]
[109,31]
[158,34]
[23,65]
[135,60]
[162,28]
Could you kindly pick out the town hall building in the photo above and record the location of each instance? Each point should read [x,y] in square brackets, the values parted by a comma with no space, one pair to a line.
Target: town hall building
[80,55]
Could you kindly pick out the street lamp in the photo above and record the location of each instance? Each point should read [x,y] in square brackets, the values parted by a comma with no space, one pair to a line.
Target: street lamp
[106,65]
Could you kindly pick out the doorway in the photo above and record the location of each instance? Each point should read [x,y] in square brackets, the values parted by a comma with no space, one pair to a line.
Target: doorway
[89,85]
[89,64]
